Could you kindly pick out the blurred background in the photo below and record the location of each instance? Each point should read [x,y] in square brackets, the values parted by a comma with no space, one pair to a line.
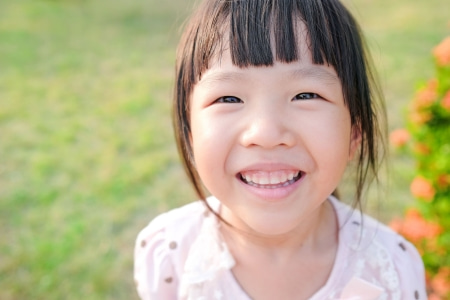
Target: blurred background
[87,156]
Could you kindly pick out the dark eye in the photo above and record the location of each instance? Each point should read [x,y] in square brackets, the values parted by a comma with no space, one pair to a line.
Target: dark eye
[306,96]
[228,99]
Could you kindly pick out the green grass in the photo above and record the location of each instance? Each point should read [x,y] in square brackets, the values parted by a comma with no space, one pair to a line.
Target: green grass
[87,155]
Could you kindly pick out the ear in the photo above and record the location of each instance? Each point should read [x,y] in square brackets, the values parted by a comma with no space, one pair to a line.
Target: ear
[355,141]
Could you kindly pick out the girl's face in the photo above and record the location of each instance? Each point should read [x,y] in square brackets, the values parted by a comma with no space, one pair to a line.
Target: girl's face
[271,143]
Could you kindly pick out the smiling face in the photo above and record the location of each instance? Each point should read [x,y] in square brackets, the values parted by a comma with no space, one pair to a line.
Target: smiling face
[271,143]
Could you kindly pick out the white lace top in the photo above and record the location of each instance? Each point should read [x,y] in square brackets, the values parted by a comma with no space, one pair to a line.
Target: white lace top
[180,255]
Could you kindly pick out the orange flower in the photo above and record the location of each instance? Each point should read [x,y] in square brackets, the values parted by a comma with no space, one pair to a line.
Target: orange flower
[442,52]
[434,296]
[420,118]
[399,137]
[424,98]
[441,282]
[415,228]
[422,188]
[426,95]
[443,180]
[422,149]
[446,101]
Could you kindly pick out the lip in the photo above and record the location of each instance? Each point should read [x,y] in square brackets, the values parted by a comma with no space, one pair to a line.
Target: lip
[273,194]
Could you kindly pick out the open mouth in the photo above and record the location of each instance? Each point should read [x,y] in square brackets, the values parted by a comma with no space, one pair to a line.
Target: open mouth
[270,180]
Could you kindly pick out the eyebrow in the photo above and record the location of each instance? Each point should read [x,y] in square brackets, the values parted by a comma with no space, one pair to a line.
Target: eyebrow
[315,72]
[221,77]
[297,74]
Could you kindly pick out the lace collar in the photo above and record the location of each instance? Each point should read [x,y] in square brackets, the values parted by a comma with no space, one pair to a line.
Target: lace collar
[207,271]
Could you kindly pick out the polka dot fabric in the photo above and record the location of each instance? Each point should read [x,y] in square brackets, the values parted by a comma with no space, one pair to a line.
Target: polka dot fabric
[180,255]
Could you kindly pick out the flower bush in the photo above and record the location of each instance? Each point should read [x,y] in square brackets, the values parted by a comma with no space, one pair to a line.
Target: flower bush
[428,139]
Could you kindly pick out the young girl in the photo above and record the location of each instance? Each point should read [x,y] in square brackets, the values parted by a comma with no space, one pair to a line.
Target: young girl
[273,99]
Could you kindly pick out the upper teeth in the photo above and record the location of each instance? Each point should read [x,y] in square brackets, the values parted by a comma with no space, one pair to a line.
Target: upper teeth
[262,177]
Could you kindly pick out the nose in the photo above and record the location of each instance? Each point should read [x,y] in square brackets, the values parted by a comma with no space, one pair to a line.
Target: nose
[267,127]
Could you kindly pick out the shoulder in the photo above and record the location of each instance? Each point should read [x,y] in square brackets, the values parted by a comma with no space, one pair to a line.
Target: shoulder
[188,215]
[161,248]
[394,260]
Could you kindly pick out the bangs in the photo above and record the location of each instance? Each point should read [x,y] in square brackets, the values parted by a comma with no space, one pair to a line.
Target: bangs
[251,34]
[259,32]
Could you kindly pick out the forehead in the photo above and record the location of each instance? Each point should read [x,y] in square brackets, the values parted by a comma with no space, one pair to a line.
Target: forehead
[222,71]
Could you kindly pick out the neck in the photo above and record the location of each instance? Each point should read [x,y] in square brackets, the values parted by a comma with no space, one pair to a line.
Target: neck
[316,234]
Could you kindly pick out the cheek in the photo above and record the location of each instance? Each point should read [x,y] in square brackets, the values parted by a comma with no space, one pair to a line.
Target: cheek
[329,139]
[209,143]
[204,132]
[330,128]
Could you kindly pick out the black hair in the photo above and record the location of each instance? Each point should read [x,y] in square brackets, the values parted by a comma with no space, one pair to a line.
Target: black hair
[251,29]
